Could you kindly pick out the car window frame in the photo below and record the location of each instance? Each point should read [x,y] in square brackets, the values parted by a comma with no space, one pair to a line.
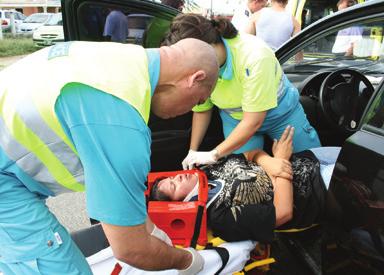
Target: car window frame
[372,10]
[71,18]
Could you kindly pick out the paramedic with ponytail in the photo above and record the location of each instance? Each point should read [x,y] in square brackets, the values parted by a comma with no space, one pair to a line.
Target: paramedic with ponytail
[85,128]
[254,96]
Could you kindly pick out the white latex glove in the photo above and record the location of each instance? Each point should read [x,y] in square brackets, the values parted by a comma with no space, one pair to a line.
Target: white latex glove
[198,158]
[196,265]
[161,235]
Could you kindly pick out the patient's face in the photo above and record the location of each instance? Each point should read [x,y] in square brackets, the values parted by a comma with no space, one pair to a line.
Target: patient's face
[178,187]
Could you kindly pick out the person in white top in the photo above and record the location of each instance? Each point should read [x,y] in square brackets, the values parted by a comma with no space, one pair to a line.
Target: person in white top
[347,38]
[242,14]
[274,24]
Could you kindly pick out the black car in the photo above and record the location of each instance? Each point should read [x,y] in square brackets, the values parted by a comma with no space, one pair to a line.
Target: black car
[343,97]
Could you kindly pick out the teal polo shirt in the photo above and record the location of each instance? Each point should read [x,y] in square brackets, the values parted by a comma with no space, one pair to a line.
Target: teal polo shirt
[113,143]
[226,70]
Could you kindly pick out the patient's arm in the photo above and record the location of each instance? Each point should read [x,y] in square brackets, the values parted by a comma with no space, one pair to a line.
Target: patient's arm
[279,170]
[283,200]
[273,166]
[245,222]
[283,190]
[283,148]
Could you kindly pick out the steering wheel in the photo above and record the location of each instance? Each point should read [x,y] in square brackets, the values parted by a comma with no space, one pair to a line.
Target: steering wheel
[344,94]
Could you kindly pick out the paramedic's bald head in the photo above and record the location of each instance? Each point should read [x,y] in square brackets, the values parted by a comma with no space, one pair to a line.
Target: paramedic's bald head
[188,74]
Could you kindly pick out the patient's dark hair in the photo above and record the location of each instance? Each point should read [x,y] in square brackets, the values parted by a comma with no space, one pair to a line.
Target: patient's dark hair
[191,25]
[156,194]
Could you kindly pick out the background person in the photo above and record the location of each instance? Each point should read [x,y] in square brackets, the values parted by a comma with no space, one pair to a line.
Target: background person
[243,13]
[347,38]
[116,27]
[273,24]
[69,133]
[253,94]
[177,4]
[247,201]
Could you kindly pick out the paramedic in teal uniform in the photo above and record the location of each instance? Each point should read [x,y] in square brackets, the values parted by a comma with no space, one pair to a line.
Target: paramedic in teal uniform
[86,128]
[254,96]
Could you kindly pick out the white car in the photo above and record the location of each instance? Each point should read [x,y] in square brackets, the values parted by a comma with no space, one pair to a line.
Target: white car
[50,33]
[32,22]
[5,19]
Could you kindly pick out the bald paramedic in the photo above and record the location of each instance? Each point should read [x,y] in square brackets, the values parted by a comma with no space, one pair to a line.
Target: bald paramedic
[73,117]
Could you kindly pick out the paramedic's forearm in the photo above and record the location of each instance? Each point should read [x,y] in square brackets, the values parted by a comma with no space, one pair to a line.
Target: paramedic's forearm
[283,200]
[200,123]
[134,246]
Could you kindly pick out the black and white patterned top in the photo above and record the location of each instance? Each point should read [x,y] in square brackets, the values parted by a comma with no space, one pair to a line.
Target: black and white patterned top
[244,205]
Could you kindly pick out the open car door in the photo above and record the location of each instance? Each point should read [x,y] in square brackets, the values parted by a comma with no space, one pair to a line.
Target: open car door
[148,22]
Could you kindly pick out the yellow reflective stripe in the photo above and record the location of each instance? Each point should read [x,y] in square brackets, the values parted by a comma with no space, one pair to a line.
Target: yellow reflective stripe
[299,10]
[293,4]
[51,120]
[34,144]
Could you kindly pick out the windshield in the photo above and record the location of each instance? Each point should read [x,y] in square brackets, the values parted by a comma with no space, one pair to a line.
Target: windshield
[359,46]
[37,18]
[55,20]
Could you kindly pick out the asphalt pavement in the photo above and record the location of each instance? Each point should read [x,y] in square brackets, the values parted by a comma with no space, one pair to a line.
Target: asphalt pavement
[70,210]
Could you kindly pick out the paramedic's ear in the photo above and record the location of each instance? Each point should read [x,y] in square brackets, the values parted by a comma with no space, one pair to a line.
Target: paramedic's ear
[196,77]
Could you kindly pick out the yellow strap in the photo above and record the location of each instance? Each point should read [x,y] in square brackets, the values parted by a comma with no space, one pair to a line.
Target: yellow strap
[256,264]
[259,263]
[216,241]
[292,230]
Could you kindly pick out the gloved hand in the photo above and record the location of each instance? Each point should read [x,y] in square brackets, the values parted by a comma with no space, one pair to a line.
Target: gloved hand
[196,265]
[198,158]
[161,235]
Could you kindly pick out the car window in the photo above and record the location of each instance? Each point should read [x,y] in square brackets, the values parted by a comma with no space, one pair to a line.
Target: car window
[375,114]
[354,46]
[7,15]
[315,10]
[55,20]
[37,18]
[19,16]
[100,23]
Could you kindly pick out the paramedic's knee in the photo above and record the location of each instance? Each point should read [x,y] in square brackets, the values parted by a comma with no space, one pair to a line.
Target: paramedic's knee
[305,137]
[255,142]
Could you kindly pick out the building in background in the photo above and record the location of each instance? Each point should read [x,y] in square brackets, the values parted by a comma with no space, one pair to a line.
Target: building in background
[28,7]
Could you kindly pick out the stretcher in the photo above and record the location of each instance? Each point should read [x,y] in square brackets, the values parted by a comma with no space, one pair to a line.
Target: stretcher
[103,262]
[242,256]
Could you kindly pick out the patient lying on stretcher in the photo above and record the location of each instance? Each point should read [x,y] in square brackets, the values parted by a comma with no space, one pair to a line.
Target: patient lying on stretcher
[251,194]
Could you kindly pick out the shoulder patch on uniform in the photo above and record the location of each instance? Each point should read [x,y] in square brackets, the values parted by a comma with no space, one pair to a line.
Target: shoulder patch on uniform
[60,49]
[246,12]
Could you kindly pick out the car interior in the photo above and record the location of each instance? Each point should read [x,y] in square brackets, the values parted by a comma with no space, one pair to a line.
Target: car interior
[334,88]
